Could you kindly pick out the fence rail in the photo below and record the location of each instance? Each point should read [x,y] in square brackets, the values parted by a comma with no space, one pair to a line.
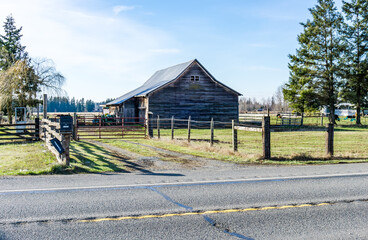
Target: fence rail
[19,132]
[102,127]
[186,127]
[56,141]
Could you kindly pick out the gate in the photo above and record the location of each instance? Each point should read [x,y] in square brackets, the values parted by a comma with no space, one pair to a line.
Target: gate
[20,132]
[109,127]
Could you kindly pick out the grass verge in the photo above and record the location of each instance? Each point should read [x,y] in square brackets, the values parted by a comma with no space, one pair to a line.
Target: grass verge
[34,159]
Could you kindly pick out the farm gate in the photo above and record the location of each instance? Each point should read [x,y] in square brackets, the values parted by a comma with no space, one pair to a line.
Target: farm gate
[20,132]
[110,127]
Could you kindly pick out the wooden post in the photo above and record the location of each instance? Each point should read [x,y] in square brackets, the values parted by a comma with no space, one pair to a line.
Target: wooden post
[235,136]
[37,128]
[150,125]
[321,119]
[172,128]
[38,110]
[99,128]
[266,137]
[211,137]
[302,120]
[158,127]
[65,142]
[189,127]
[75,129]
[330,140]
[45,106]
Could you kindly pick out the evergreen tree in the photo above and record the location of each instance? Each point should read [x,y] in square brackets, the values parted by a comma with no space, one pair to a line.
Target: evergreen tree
[356,69]
[10,43]
[315,68]
[14,68]
[90,106]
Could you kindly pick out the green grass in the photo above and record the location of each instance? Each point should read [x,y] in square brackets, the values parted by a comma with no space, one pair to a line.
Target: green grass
[33,158]
[22,159]
[144,151]
[286,147]
[87,157]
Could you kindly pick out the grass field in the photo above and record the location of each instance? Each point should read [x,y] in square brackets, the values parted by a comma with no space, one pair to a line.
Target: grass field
[33,158]
[286,147]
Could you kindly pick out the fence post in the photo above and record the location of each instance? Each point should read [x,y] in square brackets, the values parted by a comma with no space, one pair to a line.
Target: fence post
[266,137]
[75,126]
[321,119]
[37,129]
[235,136]
[150,125]
[211,138]
[189,126]
[99,128]
[158,127]
[45,106]
[330,140]
[172,128]
[65,142]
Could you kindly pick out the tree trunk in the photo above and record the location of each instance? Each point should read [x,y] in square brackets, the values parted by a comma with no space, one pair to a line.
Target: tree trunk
[358,115]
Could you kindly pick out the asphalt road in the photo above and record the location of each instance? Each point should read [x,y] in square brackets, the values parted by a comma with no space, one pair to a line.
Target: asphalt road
[249,202]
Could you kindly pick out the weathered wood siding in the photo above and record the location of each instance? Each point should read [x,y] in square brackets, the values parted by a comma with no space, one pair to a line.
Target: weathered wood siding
[201,99]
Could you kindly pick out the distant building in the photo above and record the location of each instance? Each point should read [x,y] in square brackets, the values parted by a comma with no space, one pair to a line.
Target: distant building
[183,90]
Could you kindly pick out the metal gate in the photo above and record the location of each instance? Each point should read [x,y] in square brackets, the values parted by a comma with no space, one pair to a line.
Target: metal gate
[108,127]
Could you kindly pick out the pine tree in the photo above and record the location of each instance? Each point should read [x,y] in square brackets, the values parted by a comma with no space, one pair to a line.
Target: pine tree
[12,49]
[355,34]
[315,68]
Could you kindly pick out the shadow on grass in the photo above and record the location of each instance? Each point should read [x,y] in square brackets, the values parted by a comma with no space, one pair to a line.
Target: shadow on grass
[92,149]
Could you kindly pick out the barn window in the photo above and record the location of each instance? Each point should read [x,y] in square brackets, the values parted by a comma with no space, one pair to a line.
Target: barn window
[194,78]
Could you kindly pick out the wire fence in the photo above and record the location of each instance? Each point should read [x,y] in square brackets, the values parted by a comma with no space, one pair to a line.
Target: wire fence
[307,142]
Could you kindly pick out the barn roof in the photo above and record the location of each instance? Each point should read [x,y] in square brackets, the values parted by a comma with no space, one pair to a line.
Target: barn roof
[159,79]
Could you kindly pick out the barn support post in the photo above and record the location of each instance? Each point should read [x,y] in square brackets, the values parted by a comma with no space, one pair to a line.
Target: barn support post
[211,137]
[158,127]
[330,140]
[266,137]
[45,106]
[189,127]
[172,128]
[150,124]
[235,136]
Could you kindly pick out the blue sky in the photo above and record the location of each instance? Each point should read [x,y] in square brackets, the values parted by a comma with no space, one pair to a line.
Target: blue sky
[107,48]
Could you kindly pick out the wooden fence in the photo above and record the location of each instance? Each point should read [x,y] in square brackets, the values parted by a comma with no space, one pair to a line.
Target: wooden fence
[56,141]
[265,128]
[20,132]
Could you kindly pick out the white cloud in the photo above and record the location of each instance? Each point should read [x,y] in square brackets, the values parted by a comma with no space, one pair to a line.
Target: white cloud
[100,55]
[121,8]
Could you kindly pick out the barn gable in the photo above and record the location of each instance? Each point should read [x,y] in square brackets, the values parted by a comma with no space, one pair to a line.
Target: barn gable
[160,79]
[195,93]
[183,90]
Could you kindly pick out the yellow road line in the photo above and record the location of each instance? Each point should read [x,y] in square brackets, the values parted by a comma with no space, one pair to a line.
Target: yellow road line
[204,212]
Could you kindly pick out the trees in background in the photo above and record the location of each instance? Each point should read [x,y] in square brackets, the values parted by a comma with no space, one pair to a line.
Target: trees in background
[315,69]
[355,71]
[22,78]
[331,62]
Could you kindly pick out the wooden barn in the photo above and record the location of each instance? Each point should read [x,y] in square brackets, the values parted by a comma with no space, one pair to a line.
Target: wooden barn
[183,90]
